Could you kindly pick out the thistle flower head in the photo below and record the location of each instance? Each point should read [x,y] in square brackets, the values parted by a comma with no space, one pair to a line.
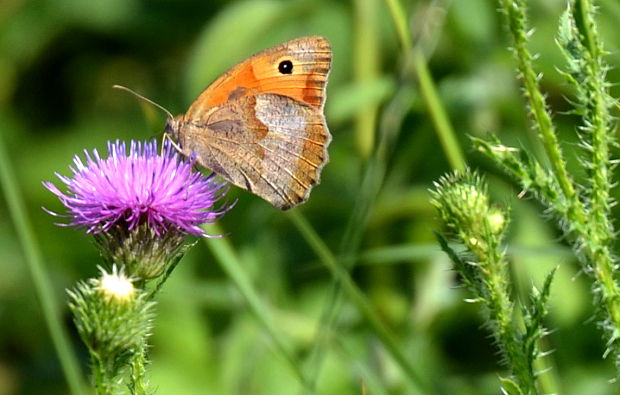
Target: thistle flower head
[142,187]
[139,206]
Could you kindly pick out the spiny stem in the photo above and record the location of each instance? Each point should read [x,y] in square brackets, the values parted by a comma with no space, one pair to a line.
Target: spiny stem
[101,376]
[596,117]
[585,218]
[595,102]
[502,312]
[515,15]
[138,372]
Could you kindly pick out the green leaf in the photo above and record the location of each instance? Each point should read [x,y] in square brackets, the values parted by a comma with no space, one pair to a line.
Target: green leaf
[509,387]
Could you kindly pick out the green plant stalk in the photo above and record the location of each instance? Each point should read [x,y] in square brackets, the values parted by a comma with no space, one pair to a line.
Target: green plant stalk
[583,17]
[610,293]
[592,229]
[502,310]
[374,175]
[366,70]
[225,255]
[515,15]
[399,18]
[138,372]
[493,290]
[102,377]
[370,187]
[438,114]
[369,190]
[549,382]
[391,121]
[360,301]
[42,285]
[443,127]
[597,114]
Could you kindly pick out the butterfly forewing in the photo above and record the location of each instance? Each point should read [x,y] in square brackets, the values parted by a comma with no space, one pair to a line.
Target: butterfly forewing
[261,73]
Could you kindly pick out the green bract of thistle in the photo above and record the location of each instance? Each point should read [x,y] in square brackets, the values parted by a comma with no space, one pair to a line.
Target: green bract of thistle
[463,205]
[141,252]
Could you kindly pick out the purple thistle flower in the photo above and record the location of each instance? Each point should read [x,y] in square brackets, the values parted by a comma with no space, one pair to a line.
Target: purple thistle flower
[139,188]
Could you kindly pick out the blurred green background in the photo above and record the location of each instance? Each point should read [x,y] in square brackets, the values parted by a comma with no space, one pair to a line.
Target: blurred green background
[58,61]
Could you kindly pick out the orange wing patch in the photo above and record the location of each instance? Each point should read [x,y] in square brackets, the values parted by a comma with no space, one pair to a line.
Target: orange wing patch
[311,61]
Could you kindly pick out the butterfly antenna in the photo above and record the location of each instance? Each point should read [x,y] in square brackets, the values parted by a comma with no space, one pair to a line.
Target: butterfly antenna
[124,88]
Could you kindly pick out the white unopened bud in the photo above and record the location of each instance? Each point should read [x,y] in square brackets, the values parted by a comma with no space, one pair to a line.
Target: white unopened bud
[116,286]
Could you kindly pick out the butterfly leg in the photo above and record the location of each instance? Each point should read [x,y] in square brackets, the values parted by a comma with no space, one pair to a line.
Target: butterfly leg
[166,136]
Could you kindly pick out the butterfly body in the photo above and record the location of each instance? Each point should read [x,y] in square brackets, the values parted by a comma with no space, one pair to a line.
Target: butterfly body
[261,124]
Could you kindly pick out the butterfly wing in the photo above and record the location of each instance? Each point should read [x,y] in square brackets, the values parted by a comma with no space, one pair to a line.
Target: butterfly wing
[297,68]
[270,144]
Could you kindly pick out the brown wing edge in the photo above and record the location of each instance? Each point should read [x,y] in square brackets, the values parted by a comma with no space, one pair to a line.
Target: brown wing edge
[315,179]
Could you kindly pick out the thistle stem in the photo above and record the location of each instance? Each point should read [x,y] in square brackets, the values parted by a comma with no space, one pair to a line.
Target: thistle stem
[517,21]
[597,116]
[103,379]
[138,372]
[586,215]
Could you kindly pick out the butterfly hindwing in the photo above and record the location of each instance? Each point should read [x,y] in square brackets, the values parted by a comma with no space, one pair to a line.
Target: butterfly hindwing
[276,149]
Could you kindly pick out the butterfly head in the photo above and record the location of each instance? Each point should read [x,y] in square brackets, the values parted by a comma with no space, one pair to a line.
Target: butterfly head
[172,129]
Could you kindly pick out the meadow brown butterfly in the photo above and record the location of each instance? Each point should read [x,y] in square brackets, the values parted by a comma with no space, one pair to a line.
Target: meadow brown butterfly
[261,124]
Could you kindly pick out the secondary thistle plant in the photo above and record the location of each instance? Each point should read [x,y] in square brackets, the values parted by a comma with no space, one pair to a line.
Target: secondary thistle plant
[583,210]
[478,227]
[140,208]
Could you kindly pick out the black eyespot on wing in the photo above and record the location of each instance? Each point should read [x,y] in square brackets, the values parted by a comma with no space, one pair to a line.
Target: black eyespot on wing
[285,67]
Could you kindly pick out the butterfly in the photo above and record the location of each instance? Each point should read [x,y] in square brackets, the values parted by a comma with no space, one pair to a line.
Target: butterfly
[261,125]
